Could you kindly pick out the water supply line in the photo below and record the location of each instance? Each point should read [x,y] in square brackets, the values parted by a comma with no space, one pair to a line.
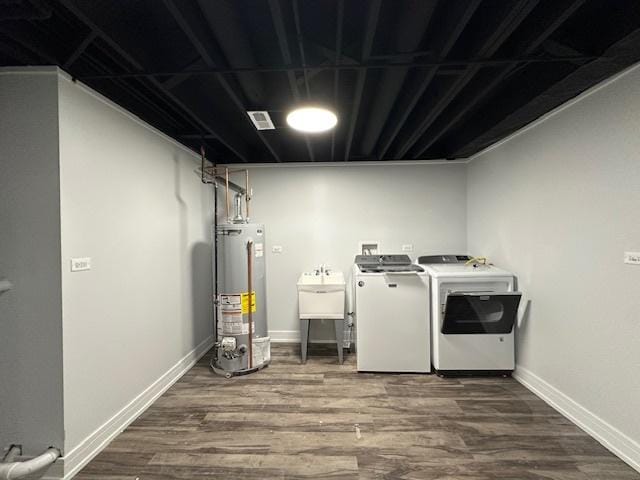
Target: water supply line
[477,261]
[226,190]
[16,470]
[247,195]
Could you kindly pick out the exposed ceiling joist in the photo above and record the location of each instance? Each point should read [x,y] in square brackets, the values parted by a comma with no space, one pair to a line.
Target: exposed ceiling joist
[303,56]
[205,47]
[281,33]
[527,46]
[367,44]
[17,52]
[515,15]
[336,73]
[359,67]
[29,41]
[176,79]
[623,53]
[408,79]
[235,146]
[82,46]
[448,33]
[138,95]
[415,20]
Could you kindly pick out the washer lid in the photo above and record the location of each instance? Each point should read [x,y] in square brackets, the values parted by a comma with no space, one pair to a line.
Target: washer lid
[462,270]
[443,258]
[386,264]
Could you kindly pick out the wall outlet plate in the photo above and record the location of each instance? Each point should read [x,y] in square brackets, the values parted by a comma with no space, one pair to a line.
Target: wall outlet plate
[80,264]
[407,247]
[276,249]
[632,258]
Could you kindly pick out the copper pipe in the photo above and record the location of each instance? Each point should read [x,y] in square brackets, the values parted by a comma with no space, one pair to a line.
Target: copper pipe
[247,196]
[226,179]
[250,300]
[202,163]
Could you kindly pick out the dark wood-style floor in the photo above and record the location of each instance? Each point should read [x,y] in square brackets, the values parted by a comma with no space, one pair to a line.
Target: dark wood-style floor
[324,420]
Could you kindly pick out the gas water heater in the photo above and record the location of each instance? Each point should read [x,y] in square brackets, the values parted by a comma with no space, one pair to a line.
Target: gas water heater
[243,343]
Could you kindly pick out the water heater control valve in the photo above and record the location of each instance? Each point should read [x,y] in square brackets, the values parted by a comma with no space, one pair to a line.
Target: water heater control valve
[228,344]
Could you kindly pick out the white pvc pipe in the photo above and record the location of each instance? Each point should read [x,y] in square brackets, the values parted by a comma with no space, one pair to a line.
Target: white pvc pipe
[15,470]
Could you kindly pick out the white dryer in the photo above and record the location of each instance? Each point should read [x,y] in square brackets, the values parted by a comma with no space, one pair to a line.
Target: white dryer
[473,313]
[391,315]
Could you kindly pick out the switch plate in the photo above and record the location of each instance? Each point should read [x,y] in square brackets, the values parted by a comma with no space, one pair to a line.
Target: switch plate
[632,258]
[407,248]
[80,264]
[276,249]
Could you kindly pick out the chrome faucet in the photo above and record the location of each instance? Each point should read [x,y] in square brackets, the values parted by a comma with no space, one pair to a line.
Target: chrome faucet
[322,269]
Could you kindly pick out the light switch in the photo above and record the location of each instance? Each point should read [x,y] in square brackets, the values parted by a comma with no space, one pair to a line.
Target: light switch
[80,264]
[276,249]
[407,247]
[632,258]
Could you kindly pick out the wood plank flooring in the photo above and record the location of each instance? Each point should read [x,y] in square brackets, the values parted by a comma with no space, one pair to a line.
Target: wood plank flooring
[324,420]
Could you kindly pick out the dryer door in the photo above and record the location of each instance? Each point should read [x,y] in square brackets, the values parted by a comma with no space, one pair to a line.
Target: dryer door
[480,312]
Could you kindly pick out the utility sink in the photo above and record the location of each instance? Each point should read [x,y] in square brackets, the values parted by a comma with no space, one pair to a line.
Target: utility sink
[325,279]
[321,295]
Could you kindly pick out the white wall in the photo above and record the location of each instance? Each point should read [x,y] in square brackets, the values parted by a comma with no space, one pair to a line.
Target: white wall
[131,201]
[30,314]
[558,204]
[319,213]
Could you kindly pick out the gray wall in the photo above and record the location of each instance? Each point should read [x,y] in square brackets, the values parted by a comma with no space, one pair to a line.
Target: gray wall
[558,205]
[30,314]
[319,213]
[130,200]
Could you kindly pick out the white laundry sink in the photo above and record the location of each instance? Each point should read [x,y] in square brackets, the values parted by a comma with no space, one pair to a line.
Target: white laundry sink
[321,296]
[332,278]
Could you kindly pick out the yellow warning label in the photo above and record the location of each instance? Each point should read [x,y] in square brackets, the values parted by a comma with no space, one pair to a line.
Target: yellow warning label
[245,302]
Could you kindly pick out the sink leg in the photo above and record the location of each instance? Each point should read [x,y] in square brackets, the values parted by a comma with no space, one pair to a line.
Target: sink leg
[339,327]
[304,339]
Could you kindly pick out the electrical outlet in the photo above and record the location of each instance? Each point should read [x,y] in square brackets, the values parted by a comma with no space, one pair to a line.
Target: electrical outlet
[407,248]
[80,264]
[276,249]
[632,258]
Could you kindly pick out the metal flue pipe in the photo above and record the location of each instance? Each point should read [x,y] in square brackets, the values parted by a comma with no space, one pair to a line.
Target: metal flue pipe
[238,218]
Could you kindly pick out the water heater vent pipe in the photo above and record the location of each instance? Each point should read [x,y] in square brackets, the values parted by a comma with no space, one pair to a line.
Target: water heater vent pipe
[238,218]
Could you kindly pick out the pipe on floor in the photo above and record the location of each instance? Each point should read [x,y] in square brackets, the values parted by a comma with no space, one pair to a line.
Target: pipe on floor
[16,470]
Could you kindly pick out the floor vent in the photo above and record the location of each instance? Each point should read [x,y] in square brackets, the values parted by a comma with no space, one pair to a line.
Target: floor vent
[261,120]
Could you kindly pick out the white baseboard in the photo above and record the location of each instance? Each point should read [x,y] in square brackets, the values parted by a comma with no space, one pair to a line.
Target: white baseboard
[610,437]
[293,336]
[66,467]
[284,336]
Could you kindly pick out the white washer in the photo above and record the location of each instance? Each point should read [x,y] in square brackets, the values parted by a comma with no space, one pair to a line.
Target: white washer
[391,315]
[473,311]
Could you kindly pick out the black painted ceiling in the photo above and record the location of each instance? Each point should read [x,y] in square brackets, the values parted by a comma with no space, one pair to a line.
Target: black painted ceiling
[409,79]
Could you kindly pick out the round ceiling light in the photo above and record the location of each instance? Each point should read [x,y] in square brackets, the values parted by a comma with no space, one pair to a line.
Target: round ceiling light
[312,119]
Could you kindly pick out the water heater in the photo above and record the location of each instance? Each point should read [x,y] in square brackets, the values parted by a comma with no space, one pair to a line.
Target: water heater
[243,344]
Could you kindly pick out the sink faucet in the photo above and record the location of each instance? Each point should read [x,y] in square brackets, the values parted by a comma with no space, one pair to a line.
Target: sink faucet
[322,269]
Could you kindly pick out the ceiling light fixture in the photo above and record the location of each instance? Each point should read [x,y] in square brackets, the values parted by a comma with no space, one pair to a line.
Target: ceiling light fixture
[312,119]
